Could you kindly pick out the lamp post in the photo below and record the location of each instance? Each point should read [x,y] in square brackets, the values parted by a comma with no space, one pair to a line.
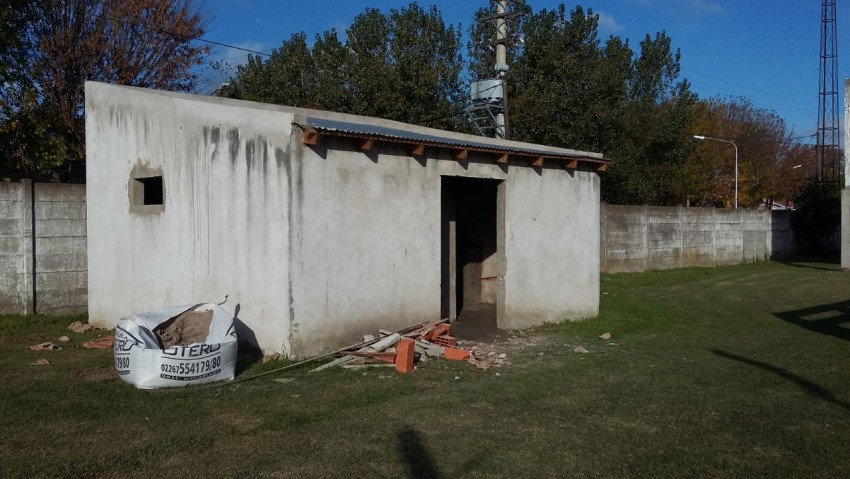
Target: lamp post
[703,137]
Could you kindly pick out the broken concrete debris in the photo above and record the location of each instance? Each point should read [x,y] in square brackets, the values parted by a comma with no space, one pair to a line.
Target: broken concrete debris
[48,346]
[105,342]
[271,357]
[605,336]
[79,327]
[404,348]
[40,362]
[64,339]
[580,350]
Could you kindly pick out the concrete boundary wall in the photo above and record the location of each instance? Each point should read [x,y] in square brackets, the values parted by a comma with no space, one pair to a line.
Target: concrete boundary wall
[50,221]
[42,248]
[641,238]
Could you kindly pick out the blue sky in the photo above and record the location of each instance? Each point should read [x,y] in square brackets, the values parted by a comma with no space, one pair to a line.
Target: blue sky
[766,50]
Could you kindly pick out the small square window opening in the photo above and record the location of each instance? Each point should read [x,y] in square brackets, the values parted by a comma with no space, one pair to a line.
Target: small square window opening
[149,191]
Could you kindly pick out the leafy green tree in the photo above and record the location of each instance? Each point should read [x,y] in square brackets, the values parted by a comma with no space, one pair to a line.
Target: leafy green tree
[563,85]
[401,65]
[284,77]
[571,89]
[14,16]
[651,159]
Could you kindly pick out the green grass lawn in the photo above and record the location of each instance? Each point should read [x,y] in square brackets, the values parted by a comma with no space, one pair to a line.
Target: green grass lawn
[727,372]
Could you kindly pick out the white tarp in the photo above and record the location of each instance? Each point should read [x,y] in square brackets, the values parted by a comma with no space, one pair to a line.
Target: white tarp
[141,361]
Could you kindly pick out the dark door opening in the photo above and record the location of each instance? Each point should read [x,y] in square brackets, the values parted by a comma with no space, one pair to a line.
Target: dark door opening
[470,251]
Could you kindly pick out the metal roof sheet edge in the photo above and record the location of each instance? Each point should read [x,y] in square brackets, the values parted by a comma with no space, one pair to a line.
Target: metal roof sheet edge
[444,139]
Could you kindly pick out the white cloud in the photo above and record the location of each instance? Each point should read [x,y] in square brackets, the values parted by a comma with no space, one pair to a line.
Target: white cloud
[608,22]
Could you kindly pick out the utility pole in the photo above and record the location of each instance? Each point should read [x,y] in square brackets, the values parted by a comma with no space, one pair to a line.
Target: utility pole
[501,66]
[489,108]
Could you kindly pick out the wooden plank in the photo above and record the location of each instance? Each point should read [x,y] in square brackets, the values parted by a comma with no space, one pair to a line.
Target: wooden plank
[310,137]
[501,158]
[365,144]
[460,155]
[602,167]
[571,164]
[536,161]
[417,150]
[378,347]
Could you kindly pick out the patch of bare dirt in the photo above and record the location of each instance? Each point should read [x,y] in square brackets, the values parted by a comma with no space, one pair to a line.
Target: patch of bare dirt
[511,342]
[187,328]
[498,350]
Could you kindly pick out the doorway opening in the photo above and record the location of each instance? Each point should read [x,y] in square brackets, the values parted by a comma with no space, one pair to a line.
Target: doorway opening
[472,254]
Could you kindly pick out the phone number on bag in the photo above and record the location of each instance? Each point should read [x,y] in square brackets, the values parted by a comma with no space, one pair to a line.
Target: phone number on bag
[194,367]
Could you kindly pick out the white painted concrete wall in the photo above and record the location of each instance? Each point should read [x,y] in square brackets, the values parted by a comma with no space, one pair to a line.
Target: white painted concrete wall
[224,228]
[551,241]
[367,253]
[319,245]
[551,246]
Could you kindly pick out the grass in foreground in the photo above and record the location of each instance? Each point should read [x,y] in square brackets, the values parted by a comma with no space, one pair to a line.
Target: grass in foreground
[728,372]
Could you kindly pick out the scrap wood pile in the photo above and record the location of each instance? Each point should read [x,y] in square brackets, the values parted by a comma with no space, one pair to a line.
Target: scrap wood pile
[403,348]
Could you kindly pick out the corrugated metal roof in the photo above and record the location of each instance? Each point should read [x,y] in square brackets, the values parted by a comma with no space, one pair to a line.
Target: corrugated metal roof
[361,130]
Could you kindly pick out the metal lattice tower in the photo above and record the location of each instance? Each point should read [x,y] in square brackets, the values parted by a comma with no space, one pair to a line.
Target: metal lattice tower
[828,130]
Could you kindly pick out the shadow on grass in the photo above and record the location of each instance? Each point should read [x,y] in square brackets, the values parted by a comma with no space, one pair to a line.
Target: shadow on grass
[419,462]
[826,319]
[823,264]
[806,385]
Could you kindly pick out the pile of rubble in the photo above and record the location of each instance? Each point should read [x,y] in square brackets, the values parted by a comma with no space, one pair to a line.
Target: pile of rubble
[78,327]
[402,349]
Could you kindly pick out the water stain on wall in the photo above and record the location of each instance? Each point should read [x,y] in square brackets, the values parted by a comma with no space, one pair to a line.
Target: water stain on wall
[233,138]
[212,136]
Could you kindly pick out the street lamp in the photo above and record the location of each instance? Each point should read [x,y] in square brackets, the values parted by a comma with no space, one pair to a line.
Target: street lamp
[703,137]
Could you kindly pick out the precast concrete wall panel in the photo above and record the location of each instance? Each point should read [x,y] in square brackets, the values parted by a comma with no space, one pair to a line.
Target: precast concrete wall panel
[757,235]
[13,266]
[728,238]
[624,241]
[681,237]
[663,237]
[697,237]
[42,248]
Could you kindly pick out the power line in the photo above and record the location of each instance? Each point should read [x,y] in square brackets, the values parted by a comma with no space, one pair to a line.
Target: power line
[179,35]
[737,85]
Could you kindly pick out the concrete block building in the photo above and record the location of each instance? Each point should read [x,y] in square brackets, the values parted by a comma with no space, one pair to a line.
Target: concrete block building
[324,226]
